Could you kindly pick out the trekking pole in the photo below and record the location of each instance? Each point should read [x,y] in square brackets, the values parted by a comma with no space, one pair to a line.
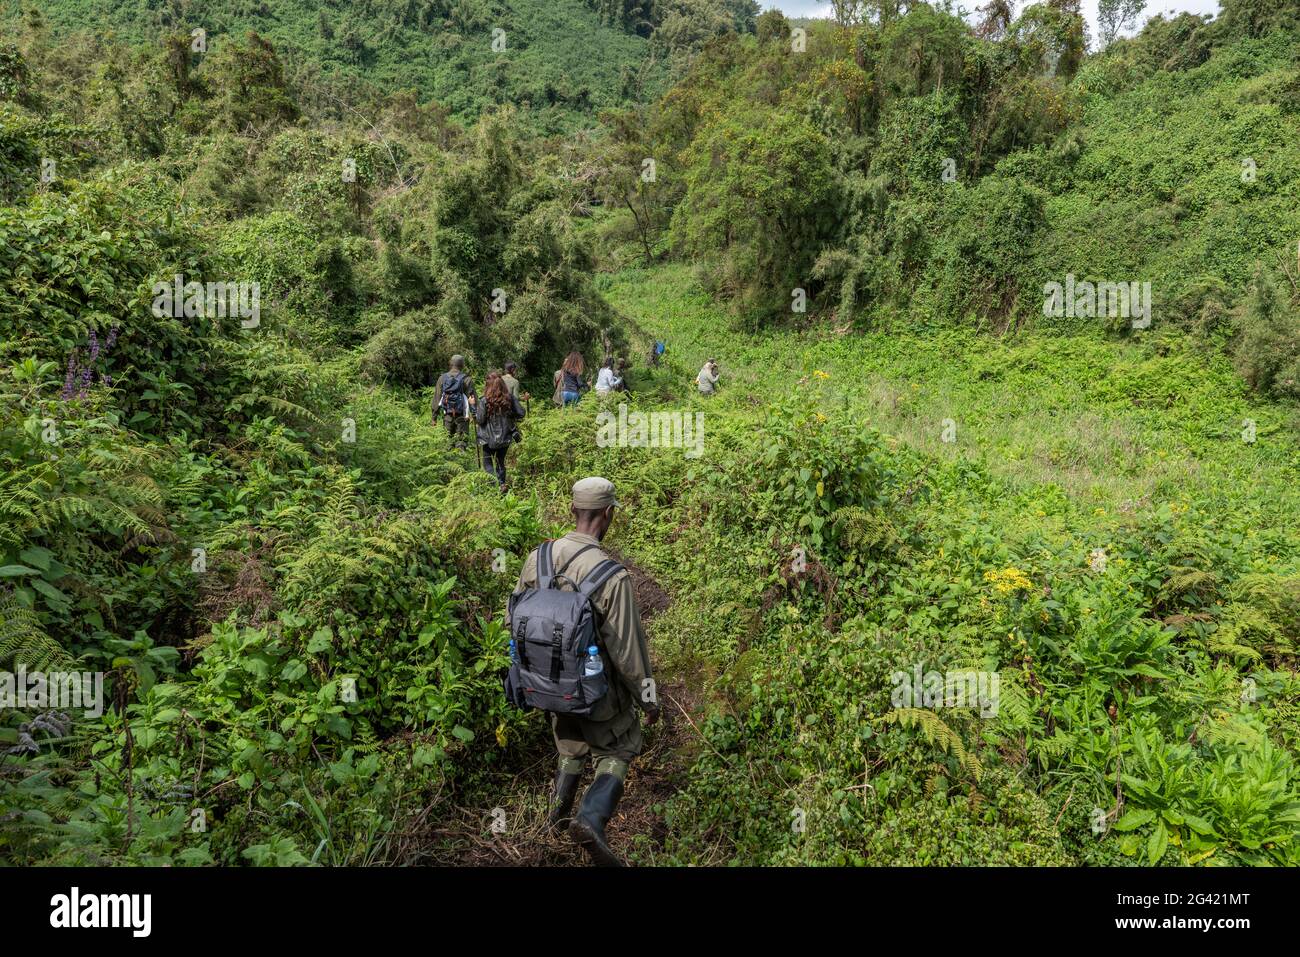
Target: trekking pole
[473,424]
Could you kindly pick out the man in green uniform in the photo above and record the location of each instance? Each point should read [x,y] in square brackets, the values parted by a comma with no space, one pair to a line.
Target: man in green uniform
[611,734]
[512,384]
[453,397]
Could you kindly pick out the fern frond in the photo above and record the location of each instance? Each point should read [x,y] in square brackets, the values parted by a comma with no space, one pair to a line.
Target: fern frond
[937,734]
[863,529]
[1184,580]
[24,642]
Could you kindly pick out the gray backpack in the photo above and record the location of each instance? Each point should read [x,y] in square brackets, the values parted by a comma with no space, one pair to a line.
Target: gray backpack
[551,630]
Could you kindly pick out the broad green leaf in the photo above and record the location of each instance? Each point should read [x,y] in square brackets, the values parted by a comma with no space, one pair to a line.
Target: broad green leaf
[1157,843]
[1135,819]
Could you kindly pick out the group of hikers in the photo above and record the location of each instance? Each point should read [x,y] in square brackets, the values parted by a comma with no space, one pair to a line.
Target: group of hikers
[504,406]
[577,646]
[496,418]
[571,382]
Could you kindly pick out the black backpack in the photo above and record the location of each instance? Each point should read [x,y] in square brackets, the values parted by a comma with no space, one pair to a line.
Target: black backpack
[552,629]
[453,393]
[498,429]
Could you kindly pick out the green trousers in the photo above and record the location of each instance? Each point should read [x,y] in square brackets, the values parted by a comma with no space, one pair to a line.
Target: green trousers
[613,743]
[457,428]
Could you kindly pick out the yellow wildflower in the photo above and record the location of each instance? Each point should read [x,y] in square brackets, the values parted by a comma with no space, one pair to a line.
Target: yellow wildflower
[1008,580]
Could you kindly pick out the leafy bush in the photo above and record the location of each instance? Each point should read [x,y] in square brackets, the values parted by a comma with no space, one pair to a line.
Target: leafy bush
[409,352]
[755,190]
[1268,344]
[984,253]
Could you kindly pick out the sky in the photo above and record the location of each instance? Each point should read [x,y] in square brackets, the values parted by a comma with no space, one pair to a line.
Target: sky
[819,8]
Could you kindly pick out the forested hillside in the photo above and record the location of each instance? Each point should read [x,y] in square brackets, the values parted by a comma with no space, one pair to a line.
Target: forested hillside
[244,518]
[559,61]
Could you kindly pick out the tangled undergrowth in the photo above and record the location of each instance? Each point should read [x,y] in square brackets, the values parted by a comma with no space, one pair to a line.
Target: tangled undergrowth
[926,595]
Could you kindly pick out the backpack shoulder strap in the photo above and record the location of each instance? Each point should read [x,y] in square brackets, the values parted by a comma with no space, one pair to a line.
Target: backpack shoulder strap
[565,567]
[545,565]
[598,576]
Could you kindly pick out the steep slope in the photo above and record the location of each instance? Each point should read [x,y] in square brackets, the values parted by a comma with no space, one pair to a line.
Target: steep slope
[558,59]
[1184,179]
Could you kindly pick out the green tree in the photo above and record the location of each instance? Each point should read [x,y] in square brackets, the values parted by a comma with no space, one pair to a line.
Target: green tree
[772,25]
[15,82]
[1254,18]
[996,18]
[248,84]
[1055,34]
[633,179]
[1116,15]
[1267,352]
[756,190]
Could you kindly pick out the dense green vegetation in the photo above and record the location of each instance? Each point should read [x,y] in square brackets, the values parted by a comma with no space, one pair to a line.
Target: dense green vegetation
[553,56]
[293,584]
[558,61]
[975,554]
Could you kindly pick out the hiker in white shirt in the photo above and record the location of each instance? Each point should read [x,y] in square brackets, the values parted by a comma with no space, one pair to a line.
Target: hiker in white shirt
[708,377]
[606,381]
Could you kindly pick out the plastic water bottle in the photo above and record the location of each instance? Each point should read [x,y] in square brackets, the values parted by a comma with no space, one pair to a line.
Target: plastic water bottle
[594,665]
[514,653]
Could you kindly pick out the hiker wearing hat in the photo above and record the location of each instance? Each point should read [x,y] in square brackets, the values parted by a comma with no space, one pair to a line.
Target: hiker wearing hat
[453,396]
[611,733]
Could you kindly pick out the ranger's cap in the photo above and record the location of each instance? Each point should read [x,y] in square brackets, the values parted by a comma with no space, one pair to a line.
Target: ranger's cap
[457,360]
[593,493]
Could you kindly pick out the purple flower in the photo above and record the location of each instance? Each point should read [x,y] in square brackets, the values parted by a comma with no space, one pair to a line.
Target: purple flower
[77,382]
[70,379]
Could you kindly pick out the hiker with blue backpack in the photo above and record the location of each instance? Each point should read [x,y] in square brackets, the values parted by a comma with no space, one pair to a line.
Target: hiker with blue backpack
[579,651]
[454,396]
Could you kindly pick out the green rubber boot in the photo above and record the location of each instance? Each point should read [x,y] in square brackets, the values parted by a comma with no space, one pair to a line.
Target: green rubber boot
[562,795]
[588,827]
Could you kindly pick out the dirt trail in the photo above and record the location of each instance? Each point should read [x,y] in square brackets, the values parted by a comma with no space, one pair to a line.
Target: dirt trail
[654,777]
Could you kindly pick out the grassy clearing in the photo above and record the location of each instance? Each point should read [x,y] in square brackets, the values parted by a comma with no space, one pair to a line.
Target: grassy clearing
[976,554]
[1116,426]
